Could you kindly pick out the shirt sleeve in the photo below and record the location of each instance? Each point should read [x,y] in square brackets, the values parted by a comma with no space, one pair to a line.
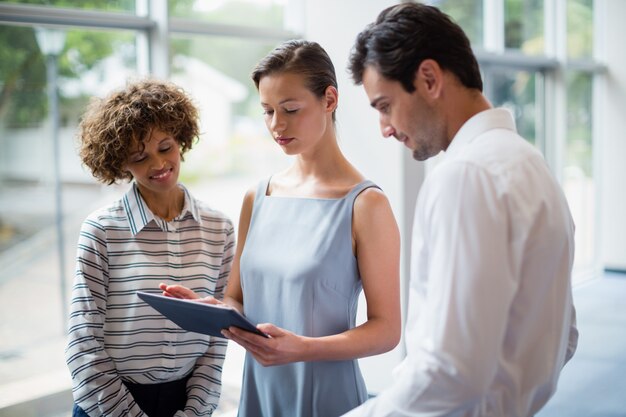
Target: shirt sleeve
[204,386]
[97,387]
[469,292]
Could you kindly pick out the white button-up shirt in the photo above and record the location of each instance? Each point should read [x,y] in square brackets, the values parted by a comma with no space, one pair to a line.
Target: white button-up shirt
[490,321]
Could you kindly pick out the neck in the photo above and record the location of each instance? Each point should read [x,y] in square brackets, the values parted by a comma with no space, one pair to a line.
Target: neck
[166,205]
[323,162]
[464,107]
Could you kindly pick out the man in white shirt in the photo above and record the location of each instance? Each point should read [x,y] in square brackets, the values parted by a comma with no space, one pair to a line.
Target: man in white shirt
[491,320]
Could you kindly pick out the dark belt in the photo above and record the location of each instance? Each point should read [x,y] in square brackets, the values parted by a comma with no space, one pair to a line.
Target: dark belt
[160,400]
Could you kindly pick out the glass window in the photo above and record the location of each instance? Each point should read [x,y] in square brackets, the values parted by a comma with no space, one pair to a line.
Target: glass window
[523,26]
[468,14]
[518,91]
[235,150]
[90,63]
[579,28]
[263,13]
[578,176]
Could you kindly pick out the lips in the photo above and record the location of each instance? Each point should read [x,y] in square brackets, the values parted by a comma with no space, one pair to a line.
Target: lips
[161,175]
[402,138]
[282,140]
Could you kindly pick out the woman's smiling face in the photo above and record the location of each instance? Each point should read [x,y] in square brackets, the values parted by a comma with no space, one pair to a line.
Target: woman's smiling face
[155,162]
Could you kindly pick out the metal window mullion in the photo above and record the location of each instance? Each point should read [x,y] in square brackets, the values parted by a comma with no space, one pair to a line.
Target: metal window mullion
[550,28]
[540,103]
[493,25]
[158,39]
[56,16]
[142,44]
[197,27]
[550,89]
[516,60]
[585,65]
[556,111]
[598,132]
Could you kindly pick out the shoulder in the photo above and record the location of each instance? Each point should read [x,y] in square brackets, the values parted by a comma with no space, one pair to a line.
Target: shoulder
[373,221]
[370,205]
[109,215]
[208,215]
[496,151]
[498,159]
[98,225]
[370,198]
[457,179]
[211,215]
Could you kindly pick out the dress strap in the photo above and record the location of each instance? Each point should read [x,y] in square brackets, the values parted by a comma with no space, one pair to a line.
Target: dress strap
[359,188]
[261,190]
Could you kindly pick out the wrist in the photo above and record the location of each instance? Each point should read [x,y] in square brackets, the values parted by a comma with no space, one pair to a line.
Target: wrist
[310,349]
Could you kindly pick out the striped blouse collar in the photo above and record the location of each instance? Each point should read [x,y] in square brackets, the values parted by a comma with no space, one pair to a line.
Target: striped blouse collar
[139,214]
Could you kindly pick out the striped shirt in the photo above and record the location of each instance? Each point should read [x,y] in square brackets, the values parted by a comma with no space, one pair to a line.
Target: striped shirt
[113,335]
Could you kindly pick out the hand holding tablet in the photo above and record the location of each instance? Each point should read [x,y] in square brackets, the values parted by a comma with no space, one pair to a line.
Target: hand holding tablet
[199,317]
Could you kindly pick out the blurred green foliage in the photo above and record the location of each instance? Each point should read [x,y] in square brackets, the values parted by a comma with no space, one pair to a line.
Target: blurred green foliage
[23,83]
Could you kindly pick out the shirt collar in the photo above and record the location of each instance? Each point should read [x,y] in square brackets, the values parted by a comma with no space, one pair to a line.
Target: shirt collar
[478,124]
[139,215]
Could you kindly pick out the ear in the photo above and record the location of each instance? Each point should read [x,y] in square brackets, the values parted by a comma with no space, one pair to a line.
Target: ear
[331,97]
[428,79]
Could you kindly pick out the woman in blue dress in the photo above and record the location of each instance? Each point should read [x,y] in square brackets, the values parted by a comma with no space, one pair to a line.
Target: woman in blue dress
[310,239]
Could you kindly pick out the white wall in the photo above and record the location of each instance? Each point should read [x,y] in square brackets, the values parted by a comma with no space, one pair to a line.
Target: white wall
[612,139]
[335,25]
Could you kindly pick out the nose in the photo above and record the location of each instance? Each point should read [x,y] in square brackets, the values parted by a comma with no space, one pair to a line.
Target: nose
[385,127]
[158,161]
[277,124]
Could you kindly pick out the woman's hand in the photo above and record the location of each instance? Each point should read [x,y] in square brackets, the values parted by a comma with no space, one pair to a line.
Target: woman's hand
[180,291]
[280,348]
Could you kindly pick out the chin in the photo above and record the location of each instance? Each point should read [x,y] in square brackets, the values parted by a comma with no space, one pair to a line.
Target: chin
[419,157]
[421,154]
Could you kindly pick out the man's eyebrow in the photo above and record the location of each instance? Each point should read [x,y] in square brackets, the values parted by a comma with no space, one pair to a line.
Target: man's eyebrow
[374,102]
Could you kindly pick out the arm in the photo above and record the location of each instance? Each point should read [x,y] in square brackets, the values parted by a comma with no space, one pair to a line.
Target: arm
[377,247]
[204,386]
[97,387]
[234,293]
[463,306]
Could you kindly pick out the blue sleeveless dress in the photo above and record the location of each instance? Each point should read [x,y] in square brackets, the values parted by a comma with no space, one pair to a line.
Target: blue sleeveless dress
[298,272]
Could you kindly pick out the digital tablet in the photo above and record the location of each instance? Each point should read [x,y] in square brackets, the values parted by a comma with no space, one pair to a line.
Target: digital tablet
[198,317]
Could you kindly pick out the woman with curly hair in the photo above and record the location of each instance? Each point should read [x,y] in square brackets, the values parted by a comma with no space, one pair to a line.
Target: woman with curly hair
[126,359]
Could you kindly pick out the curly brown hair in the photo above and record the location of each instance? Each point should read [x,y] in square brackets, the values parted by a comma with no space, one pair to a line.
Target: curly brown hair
[111,126]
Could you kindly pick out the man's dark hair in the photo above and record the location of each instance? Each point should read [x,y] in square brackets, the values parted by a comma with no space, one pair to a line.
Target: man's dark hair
[406,34]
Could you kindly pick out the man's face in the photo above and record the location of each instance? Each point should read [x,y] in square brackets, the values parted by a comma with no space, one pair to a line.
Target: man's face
[406,116]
